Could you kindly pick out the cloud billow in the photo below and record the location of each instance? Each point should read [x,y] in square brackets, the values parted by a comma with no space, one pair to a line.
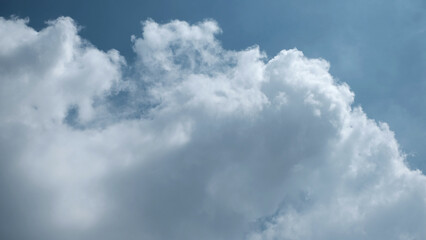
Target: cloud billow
[198,142]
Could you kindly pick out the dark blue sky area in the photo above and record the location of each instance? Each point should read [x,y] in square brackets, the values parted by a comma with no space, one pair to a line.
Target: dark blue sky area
[376,46]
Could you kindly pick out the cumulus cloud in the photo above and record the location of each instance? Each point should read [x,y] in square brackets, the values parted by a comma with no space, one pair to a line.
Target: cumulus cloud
[196,142]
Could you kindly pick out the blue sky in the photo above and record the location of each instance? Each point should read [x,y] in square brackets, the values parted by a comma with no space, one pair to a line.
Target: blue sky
[242,120]
[377,47]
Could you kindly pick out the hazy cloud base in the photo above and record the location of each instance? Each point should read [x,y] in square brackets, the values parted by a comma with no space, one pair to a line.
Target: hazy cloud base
[191,141]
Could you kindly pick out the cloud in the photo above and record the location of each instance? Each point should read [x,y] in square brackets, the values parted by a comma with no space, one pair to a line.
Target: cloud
[191,141]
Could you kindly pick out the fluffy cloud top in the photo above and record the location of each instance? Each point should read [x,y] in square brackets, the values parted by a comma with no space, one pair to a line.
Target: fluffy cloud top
[193,142]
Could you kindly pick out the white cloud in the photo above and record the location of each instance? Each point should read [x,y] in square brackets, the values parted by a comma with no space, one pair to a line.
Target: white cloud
[207,144]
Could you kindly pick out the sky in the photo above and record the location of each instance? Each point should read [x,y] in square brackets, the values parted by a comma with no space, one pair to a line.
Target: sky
[212,120]
[377,47]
